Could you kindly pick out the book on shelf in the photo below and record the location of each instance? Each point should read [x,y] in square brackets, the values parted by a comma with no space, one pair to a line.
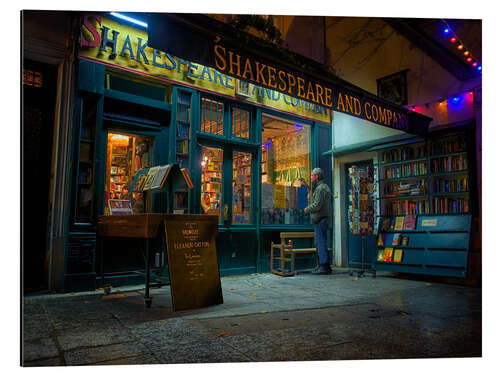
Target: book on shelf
[396,239]
[386,225]
[410,222]
[398,256]
[388,254]
[161,176]
[398,224]
[381,239]
[187,178]
[150,178]
[139,180]
[405,240]
[380,255]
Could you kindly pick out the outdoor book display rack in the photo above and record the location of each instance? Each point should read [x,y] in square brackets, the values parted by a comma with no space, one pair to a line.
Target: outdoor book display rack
[189,239]
[427,205]
[437,245]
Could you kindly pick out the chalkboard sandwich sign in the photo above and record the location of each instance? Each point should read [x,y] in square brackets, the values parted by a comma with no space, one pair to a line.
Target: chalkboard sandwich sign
[192,260]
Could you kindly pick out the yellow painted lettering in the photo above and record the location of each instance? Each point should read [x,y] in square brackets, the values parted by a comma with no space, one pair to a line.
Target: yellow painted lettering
[374,112]
[259,71]
[367,111]
[271,75]
[282,84]
[220,57]
[300,91]
[328,97]
[348,103]
[232,63]
[340,103]
[291,82]
[310,92]
[319,94]
[357,107]
[248,69]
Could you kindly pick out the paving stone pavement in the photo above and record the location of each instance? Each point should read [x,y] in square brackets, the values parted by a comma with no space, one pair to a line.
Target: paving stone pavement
[264,318]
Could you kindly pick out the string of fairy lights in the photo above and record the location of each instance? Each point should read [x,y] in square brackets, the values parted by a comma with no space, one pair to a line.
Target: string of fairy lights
[455,39]
[474,62]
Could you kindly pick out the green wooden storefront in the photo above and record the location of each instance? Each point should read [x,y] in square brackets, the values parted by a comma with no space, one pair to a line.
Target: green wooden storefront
[126,103]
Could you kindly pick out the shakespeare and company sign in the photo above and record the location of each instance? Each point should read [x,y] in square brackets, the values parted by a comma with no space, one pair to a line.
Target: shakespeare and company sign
[230,55]
[112,43]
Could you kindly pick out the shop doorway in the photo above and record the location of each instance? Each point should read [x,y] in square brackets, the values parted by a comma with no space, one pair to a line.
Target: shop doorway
[38,105]
[226,183]
[360,214]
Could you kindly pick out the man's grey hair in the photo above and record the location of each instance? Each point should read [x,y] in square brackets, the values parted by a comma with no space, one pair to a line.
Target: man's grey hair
[318,172]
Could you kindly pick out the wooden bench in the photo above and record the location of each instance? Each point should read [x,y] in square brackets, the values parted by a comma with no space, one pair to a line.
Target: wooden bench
[287,252]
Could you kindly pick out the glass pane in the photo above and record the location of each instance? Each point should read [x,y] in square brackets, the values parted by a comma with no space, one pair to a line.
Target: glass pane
[85,197]
[241,123]
[242,187]
[211,181]
[285,160]
[126,154]
[211,116]
[183,125]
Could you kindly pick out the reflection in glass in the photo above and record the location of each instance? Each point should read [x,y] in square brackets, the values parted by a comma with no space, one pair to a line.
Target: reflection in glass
[126,154]
[242,188]
[285,161]
[211,181]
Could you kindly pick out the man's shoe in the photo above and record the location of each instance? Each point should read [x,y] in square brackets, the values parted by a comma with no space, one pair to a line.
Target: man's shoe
[324,269]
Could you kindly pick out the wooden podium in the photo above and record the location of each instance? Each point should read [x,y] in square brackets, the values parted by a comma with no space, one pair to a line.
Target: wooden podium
[145,226]
[190,244]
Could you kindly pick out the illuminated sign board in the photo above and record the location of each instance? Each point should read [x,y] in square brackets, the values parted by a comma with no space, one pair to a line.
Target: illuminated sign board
[107,41]
[231,56]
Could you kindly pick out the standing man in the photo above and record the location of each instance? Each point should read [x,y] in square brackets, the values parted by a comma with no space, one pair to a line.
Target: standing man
[319,210]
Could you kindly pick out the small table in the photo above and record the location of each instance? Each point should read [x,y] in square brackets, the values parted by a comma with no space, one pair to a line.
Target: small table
[145,226]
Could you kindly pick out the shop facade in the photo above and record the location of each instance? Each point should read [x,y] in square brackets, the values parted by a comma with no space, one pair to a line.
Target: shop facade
[244,146]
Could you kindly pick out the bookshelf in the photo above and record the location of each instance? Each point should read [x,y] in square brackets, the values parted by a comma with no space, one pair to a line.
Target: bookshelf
[183,124]
[427,183]
[211,181]
[242,172]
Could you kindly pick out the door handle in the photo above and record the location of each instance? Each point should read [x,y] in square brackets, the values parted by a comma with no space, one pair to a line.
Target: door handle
[226,212]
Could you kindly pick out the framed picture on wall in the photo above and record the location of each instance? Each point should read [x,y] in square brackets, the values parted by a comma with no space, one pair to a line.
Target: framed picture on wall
[242,88]
[394,87]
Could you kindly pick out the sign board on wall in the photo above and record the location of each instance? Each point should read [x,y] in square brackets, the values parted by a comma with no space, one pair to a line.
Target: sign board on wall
[216,47]
[107,41]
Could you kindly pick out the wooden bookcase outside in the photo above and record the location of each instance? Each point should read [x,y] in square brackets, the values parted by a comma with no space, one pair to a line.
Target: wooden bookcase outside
[429,179]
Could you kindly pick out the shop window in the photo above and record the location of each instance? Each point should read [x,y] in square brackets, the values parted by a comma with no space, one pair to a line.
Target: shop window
[241,123]
[126,154]
[211,181]
[182,130]
[285,161]
[212,115]
[136,87]
[85,187]
[32,78]
[242,187]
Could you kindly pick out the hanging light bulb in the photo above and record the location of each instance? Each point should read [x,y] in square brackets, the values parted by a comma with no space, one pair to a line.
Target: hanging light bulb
[469,59]
[480,68]
[474,64]
[460,46]
[453,39]
[119,140]
[447,31]
[466,53]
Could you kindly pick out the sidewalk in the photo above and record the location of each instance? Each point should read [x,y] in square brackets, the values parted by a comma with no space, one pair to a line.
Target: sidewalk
[264,317]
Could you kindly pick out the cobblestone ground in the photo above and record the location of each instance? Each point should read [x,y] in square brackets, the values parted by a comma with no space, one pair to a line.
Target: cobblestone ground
[263,318]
